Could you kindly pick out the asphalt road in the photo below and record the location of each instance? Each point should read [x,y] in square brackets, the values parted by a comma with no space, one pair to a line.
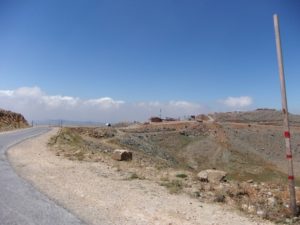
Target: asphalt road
[20,202]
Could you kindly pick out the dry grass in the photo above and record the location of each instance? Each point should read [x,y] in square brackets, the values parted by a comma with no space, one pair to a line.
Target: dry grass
[181,175]
[72,146]
[174,186]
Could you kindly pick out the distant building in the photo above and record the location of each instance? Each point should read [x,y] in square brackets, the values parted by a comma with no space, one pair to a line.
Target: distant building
[170,119]
[155,119]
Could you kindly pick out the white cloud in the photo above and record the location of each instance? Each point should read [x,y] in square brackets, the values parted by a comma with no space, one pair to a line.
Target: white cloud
[184,104]
[242,101]
[105,102]
[27,92]
[58,101]
[35,104]
[6,93]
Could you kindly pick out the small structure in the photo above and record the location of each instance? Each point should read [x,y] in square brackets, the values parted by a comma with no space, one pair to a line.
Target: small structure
[170,119]
[155,119]
[122,155]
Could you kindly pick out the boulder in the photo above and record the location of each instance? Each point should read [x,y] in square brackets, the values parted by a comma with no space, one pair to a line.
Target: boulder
[272,201]
[122,155]
[261,213]
[212,176]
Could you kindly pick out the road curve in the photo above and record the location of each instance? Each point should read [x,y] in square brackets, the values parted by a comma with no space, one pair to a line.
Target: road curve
[20,202]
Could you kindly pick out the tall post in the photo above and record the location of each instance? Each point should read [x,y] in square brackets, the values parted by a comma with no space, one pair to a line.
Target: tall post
[287,136]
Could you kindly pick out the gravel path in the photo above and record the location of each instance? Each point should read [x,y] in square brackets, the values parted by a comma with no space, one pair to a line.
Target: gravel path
[99,194]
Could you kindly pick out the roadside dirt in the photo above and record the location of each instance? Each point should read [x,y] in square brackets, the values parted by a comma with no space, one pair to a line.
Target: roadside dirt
[100,193]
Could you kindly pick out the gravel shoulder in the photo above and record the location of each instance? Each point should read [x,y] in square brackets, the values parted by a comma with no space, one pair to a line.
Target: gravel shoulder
[100,194]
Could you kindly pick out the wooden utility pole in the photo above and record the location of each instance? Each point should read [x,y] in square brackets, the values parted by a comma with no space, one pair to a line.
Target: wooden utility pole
[287,136]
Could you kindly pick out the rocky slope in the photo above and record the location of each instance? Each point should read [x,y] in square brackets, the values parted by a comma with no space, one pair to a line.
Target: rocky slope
[248,146]
[173,153]
[259,116]
[11,120]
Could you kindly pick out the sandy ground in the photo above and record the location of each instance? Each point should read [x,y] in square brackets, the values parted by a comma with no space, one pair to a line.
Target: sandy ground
[99,194]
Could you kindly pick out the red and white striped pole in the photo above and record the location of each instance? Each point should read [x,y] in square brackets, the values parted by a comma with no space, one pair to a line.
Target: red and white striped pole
[287,135]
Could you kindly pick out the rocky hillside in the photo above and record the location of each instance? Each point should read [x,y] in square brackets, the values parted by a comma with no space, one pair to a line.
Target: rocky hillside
[244,151]
[260,116]
[11,120]
[180,155]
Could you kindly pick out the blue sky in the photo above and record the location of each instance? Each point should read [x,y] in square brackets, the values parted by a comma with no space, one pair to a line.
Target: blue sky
[149,52]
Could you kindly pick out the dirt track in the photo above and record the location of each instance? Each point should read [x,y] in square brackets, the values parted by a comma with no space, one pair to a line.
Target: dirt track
[99,194]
